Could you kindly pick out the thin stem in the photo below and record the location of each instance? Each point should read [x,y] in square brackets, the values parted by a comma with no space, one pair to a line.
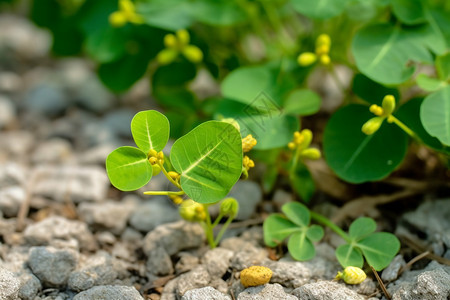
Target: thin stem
[218,219]
[209,228]
[166,193]
[325,221]
[223,229]
[405,128]
[167,175]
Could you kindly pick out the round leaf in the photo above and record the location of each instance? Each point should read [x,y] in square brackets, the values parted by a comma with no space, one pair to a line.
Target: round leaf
[379,249]
[302,102]
[150,130]
[349,256]
[372,91]
[315,233]
[409,12]
[218,12]
[166,14]
[361,228]
[128,168]
[297,213]
[320,9]
[106,44]
[435,115]
[356,157]
[429,84]
[383,52]
[300,247]
[209,160]
[276,228]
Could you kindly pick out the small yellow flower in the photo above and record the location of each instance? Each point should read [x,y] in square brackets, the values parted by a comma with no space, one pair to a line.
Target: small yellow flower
[176,199]
[323,45]
[153,160]
[325,59]
[155,157]
[388,104]
[248,163]
[323,39]
[255,275]
[177,44]
[156,169]
[371,126]
[192,211]
[126,13]
[248,143]
[352,275]
[376,110]
[306,59]
[311,153]
[174,175]
[382,112]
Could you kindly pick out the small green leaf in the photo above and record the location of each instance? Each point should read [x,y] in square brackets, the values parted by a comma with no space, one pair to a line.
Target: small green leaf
[356,157]
[320,9]
[106,44]
[409,11]
[349,256]
[315,233]
[150,130]
[128,168]
[300,247]
[297,213]
[443,66]
[361,228]
[218,12]
[302,182]
[379,249]
[435,115]
[371,91]
[302,102]
[429,84]
[383,52]
[276,228]
[209,160]
[166,14]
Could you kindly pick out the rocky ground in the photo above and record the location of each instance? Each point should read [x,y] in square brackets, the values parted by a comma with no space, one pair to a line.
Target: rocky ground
[65,233]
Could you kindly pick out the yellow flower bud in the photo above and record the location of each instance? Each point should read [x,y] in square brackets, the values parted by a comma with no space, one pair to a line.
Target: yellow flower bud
[152,153]
[248,163]
[307,138]
[170,41]
[173,175]
[156,169]
[183,37]
[255,275]
[388,104]
[390,119]
[376,110]
[311,153]
[298,138]
[192,211]
[371,126]
[160,155]
[306,59]
[352,275]
[126,6]
[153,160]
[193,53]
[166,56]
[176,199]
[248,143]
[292,145]
[117,19]
[323,39]
[323,50]
[325,59]
[229,207]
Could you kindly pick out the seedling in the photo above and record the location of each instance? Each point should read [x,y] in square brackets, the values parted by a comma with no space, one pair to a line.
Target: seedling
[203,165]
[362,242]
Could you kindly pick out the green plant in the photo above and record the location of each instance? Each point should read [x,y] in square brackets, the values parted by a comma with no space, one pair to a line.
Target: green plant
[361,242]
[204,165]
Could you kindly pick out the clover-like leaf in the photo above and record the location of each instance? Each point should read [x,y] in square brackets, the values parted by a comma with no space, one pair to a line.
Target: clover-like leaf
[150,130]
[315,233]
[361,228]
[209,160]
[276,229]
[348,255]
[300,246]
[297,213]
[379,249]
[302,102]
[435,115]
[128,168]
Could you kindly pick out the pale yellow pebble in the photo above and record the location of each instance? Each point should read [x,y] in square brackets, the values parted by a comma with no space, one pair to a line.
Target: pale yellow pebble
[255,275]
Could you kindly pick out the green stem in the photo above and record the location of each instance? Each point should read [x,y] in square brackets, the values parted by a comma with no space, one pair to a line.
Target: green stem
[209,228]
[325,221]
[167,175]
[223,229]
[219,217]
[405,128]
[166,193]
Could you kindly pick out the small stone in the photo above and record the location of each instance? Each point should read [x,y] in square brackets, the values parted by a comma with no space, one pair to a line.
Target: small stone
[291,274]
[30,286]
[246,253]
[153,213]
[110,292]
[174,237]
[47,99]
[11,198]
[197,278]
[9,285]
[55,150]
[159,262]
[325,290]
[7,112]
[217,261]
[12,174]
[52,266]
[205,293]
[268,291]
[16,145]
[93,95]
[58,228]
[255,275]
[80,184]
[391,271]
[97,270]
[249,195]
[105,238]
[186,262]
[109,215]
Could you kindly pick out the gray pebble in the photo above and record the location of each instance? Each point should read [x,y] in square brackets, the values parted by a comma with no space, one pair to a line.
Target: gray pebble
[7,112]
[9,285]
[159,262]
[154,212]
[205,293]
[391,271]
[217,261]
[325,290]
[109,292]
[263,292]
